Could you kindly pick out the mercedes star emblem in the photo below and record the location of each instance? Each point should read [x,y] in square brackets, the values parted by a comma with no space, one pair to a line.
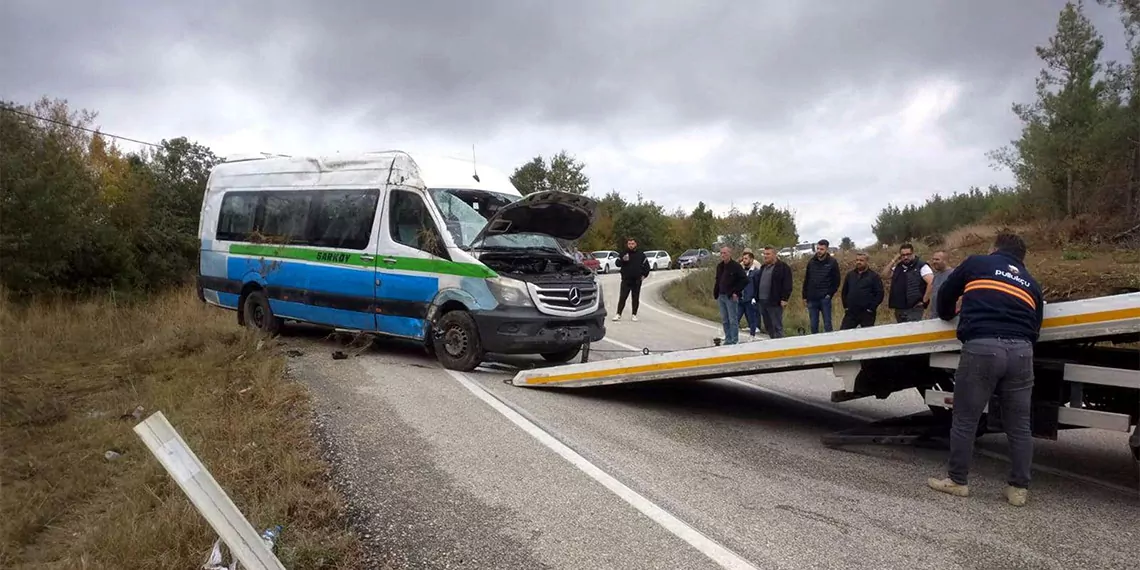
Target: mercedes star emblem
[574,296]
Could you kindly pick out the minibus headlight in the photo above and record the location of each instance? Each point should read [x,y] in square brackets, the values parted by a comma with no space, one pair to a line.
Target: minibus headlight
[510,292]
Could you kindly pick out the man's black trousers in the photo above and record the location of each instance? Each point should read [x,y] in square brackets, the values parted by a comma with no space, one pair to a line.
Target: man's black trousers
[627,288]
[857,318]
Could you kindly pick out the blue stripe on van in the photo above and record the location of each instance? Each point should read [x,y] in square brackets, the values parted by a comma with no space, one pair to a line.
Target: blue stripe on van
[401,287]
[324,315]
[402,326]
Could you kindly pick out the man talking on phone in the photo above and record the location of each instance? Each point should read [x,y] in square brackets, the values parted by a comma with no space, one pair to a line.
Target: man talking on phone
[634,269]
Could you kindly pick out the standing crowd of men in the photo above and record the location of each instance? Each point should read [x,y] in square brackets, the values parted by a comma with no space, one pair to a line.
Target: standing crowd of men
[758,290]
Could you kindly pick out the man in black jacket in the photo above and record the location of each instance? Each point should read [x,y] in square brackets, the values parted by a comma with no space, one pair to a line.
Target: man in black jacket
[911,280]
[634,269]
[730,282]
[773,288]
[861,296]
[1002,309]
[821,281]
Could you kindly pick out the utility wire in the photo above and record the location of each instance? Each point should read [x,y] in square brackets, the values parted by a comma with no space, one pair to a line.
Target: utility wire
[15,111]
[66,124]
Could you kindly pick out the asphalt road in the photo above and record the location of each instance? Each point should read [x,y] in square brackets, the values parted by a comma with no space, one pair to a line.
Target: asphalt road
[449,470]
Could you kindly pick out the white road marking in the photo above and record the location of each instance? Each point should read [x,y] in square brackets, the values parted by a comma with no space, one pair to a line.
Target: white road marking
[650,306]
[719,554]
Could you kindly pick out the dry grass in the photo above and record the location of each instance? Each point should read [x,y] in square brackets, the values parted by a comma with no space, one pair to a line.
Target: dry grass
[70,371]
[1079,272]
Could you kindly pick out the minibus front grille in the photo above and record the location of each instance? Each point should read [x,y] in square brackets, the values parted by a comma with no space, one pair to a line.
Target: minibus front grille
[565,299]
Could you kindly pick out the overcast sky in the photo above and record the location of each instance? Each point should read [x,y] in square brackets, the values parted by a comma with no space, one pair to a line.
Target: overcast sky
[833,108]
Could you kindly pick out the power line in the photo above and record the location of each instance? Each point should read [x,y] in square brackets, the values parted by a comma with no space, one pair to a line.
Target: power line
[66,124]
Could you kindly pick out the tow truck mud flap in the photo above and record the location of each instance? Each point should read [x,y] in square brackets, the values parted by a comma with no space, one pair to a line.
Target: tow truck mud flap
[1088,318]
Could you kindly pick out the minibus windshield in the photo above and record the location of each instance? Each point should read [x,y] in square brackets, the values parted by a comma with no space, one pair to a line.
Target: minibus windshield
[466,213]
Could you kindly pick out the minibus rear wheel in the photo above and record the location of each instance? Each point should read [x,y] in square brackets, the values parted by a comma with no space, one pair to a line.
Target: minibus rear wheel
[258,314]
[457,345]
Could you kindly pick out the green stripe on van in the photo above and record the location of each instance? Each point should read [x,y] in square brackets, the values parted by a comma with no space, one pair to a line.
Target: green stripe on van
[441,266]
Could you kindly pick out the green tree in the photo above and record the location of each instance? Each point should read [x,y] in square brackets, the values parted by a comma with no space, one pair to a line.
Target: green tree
[703,226]
[735,227]
[846,244]
[564,173]
[1127,83]
[1059,156]
[80,215]
[601,233]
[679,233]
[769,225]
[646,222]
[531,177]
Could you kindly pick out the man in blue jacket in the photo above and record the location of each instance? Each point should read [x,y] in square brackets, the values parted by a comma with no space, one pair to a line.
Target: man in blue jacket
[1000,319]
[748,309]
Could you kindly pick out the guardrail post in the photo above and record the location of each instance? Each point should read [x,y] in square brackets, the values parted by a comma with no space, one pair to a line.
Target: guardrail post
[204,492]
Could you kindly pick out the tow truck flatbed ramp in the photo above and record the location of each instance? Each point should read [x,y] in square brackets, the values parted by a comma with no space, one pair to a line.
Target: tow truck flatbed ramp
[1085,320]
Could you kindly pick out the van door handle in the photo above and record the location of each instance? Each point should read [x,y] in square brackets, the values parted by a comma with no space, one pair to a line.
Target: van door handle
[389,260]
[366,257]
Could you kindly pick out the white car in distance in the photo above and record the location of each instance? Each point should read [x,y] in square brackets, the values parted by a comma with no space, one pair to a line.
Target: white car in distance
[658,259]
[607,260]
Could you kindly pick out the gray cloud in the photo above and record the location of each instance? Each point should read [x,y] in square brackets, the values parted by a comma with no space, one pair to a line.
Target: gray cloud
[591,76]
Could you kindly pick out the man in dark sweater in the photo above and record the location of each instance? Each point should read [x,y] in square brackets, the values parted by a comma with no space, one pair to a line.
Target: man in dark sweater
[821,281]
[1002,309]
[861,296]
[911,280]
[634,270]
[773,289]
[730,282]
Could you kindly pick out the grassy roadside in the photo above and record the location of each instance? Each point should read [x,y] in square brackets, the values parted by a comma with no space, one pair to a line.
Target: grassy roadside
[1064,273]
[72,370]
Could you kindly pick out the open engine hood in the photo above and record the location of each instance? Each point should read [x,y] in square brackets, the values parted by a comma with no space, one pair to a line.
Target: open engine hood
[562,215]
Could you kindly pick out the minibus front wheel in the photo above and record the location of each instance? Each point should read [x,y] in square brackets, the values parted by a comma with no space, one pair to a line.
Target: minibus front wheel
[457,343]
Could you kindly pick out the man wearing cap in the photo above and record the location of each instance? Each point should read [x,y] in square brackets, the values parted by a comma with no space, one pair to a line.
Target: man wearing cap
[634,269]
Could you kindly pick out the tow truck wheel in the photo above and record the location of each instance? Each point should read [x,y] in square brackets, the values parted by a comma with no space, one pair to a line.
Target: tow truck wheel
[561,356]
[457,346]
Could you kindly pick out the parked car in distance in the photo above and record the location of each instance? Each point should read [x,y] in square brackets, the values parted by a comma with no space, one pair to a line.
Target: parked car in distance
[607,260]
[658,259]
[590,262]
[693,258]
[800,250]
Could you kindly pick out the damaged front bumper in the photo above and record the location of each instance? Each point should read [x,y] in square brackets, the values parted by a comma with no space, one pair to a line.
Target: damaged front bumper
[526,331]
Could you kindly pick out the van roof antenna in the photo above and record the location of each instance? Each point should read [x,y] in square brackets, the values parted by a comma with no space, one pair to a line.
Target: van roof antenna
[474,170]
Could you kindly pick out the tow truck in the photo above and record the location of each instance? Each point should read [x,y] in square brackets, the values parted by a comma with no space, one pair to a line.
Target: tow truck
[1085,375]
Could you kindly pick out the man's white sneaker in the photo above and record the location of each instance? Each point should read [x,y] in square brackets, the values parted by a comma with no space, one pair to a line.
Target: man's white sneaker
[634,318]
[617,318]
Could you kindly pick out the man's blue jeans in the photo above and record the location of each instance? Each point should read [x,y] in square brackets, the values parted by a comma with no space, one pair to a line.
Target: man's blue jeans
[814,309]
[990,366]
[729,318]
[751,313]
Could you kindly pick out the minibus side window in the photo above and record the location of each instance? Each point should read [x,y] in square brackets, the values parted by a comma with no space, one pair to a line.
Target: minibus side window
[238,216]
[286,217]
[343,218]
[410,223]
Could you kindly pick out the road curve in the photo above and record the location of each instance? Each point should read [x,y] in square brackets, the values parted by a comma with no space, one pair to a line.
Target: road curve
[450,470]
